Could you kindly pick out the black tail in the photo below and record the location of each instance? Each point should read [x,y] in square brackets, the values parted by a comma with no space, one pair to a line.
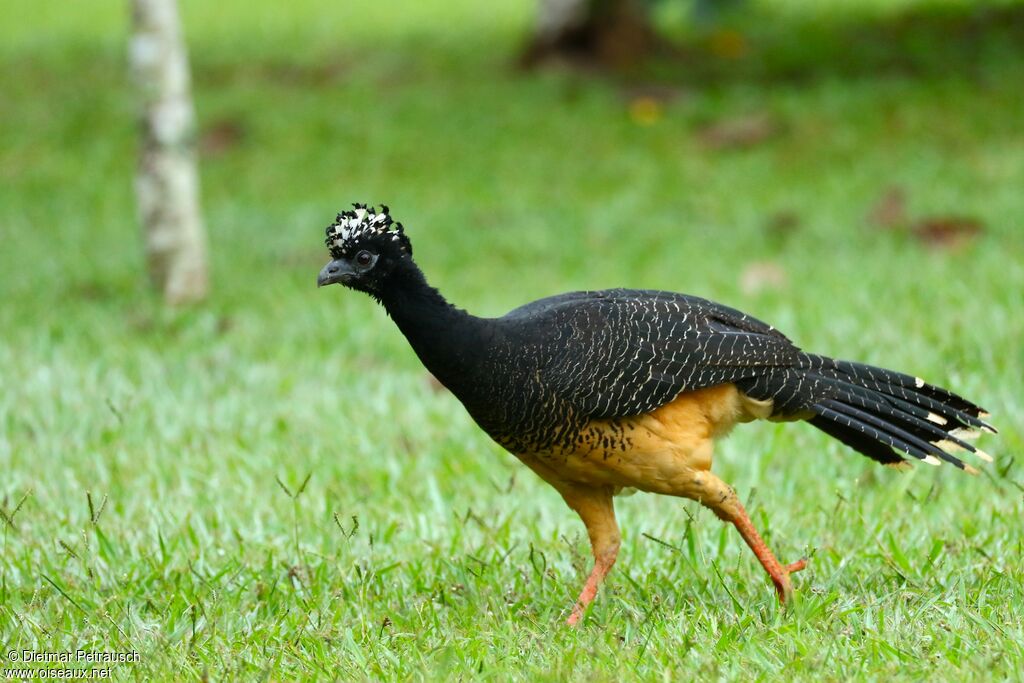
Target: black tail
[875,411]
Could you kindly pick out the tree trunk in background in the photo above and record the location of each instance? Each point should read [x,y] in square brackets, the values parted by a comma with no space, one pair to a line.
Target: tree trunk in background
[601,32]
[167,184]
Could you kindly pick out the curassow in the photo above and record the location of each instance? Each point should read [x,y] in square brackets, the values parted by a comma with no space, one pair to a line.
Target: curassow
[602,391]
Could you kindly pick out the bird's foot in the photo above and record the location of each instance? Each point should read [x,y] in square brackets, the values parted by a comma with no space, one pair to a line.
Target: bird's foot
[602,565]
[783,586]
[586,597]
[796,566]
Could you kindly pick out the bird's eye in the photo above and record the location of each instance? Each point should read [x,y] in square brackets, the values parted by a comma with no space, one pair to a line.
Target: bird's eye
[365,259]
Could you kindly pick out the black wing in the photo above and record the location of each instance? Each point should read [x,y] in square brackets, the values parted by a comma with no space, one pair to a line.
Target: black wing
[616,353]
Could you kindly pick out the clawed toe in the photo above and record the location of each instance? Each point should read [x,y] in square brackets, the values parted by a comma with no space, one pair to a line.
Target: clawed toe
[782,584]
[796,566]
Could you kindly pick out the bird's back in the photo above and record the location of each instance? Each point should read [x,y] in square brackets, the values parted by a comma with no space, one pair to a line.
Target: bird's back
[558,362]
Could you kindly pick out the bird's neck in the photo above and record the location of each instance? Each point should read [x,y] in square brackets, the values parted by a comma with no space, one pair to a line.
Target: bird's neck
[445,338]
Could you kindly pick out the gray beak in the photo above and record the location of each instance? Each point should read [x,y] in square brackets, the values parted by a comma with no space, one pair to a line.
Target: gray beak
[337,270]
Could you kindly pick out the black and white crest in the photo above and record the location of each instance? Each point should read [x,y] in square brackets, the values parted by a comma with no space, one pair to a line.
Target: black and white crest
[352,228]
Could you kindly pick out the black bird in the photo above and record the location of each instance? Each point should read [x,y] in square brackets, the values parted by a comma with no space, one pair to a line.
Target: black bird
[618,389]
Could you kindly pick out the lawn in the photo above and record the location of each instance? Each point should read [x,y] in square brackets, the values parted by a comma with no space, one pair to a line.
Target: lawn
[267,486]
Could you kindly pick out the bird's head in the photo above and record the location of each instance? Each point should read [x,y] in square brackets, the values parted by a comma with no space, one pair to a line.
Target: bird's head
[366,247]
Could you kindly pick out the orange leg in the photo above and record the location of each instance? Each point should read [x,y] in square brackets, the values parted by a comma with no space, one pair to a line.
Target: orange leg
[722,500]
[778,573]
[595,508]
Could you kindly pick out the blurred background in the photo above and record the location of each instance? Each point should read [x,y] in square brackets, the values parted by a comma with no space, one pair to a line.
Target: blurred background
[849,170]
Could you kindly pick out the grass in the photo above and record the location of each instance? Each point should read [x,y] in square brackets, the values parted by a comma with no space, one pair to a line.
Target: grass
[266,486]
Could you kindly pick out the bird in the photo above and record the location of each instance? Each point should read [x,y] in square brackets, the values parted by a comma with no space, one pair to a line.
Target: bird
[607,392]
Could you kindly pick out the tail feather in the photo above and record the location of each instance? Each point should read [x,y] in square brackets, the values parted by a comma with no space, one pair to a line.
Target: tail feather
[905,388]
[968,420]
[880,413]
[921,427]
[921,448]
[860,438]
[877,435]
[872,394]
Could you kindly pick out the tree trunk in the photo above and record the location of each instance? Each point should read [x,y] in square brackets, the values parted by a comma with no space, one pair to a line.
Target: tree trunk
[167,182]
[593,32]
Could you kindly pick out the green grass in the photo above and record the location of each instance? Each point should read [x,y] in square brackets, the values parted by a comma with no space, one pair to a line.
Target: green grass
[153,461]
